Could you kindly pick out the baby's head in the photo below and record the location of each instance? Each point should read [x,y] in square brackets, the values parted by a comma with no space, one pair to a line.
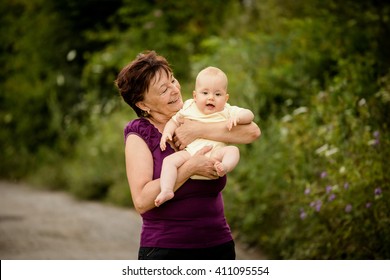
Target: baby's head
[211,75]
[210,92]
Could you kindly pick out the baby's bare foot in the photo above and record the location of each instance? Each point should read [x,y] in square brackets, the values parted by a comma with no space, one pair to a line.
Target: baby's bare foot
[221,170]
[163,197]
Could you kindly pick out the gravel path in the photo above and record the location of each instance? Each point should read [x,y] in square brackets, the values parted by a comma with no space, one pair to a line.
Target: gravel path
[40,224]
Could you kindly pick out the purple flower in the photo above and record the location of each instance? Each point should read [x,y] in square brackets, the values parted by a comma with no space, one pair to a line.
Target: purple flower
[332,197]
[378,191]
[318,205]
[346,186]
[323,174]
[303,214]
[348,208]
[375,141]
[368,204]
[307,191]
[328,189]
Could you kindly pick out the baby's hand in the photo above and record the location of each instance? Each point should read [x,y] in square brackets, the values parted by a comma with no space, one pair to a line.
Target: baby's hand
[233,121]
[164,138]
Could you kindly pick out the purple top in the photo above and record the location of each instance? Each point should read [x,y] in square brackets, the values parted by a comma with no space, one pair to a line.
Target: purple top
[195,217]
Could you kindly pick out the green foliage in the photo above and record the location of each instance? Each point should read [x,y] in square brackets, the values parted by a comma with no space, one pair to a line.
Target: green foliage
[103,150]
[41,102]
[95,170]
[321,102]
[315,73]
[318,187]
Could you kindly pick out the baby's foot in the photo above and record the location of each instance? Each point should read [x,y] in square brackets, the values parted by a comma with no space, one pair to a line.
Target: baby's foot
[163,197]
[221,170]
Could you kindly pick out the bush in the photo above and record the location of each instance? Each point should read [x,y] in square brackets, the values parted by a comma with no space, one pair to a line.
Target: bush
[318,186]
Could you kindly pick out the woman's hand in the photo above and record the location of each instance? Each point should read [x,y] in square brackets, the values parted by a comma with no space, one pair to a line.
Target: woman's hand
[186,133]
[202,165]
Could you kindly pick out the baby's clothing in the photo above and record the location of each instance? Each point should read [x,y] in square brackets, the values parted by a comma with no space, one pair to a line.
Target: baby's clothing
[191,111]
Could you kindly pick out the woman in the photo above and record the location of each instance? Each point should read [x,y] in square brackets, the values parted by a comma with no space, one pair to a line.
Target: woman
[192,225]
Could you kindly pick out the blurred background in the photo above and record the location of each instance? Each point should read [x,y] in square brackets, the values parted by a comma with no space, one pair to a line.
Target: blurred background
[315,73]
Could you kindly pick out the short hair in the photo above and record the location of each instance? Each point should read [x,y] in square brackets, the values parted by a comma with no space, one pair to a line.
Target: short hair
[134,79]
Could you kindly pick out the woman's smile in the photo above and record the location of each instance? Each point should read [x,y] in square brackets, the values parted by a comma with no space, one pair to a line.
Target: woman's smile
[174,101]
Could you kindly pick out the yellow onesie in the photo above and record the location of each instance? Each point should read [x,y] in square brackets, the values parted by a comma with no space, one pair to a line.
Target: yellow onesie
[191,111]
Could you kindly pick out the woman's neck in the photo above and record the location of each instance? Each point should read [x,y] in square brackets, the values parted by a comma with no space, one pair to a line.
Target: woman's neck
[159,123]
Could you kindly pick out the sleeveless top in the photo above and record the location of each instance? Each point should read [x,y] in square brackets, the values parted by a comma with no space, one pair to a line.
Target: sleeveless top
[195,217]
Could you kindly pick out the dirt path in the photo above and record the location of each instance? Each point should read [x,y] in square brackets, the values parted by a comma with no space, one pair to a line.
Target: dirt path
[40,224]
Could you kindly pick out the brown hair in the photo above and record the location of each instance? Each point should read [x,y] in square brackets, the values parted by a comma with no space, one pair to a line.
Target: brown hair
[134,79]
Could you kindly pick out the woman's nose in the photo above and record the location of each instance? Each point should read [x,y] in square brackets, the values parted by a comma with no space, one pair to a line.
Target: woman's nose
[175,89]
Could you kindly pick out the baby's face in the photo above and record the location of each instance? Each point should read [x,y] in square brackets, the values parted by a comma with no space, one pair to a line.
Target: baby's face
[210,94]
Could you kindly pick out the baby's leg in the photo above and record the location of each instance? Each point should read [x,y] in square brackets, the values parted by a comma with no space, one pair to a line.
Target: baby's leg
[169,175]
[227,158]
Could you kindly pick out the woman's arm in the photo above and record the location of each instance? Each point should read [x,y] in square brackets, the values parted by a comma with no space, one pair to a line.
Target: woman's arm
[139,170]
[191,130]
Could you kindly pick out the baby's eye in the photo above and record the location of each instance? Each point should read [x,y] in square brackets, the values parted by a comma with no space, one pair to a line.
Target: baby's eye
[204,92]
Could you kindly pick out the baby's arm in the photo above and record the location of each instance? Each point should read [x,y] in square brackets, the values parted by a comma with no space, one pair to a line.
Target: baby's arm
[169,130]
[240,116]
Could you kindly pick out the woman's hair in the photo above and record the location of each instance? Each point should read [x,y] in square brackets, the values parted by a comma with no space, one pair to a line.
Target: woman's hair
[134,79]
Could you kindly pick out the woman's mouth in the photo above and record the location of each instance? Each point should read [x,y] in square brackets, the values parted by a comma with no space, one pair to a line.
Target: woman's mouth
[173,101]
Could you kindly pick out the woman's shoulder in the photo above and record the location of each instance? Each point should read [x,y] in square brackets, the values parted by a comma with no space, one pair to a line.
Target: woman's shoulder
[144,129]
[135,126]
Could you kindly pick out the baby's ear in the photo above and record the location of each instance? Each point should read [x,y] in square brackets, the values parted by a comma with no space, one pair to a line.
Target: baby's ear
[227,97]
[194,94]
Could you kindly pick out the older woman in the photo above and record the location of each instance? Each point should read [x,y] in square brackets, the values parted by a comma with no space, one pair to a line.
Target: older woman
[192,225]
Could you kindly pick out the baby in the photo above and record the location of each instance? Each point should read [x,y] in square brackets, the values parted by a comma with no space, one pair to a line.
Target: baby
[209,104]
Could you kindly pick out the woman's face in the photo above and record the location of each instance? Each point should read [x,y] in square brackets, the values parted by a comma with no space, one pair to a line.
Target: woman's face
[163,98]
